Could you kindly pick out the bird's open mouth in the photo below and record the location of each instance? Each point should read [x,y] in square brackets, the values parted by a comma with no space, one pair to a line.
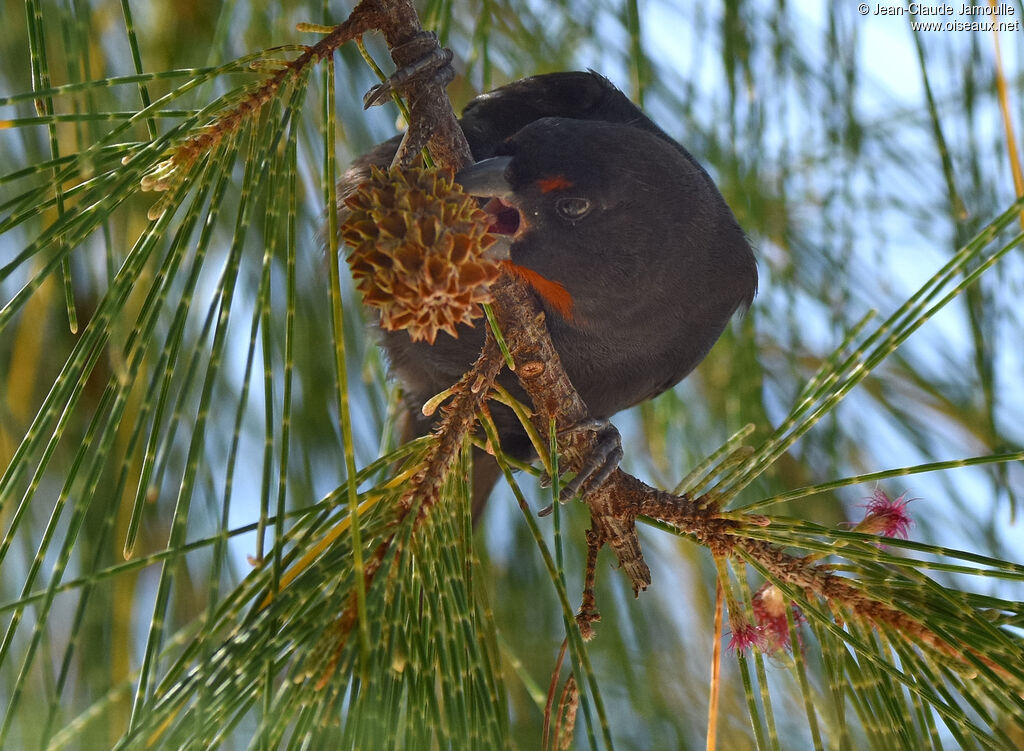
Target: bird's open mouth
[488,181]
[505,217]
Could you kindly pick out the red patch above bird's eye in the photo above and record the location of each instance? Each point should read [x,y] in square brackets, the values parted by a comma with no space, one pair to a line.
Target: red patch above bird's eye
[558,182]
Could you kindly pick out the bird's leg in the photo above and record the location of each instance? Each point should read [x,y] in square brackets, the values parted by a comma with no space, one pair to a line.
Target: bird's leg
[601,459]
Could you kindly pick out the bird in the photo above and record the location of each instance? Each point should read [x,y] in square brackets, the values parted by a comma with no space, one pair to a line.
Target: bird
[631,250]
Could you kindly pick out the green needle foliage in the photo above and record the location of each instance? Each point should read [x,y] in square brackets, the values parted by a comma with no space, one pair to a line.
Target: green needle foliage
[208,539]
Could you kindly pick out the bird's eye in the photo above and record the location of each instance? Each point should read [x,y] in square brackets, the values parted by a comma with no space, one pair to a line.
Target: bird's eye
[572,209]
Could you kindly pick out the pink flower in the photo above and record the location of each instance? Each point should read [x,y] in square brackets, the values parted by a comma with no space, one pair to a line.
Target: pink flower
[769,605]
[886,516]
[745,635]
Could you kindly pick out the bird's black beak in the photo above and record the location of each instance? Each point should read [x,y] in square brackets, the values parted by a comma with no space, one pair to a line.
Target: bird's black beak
[489,179]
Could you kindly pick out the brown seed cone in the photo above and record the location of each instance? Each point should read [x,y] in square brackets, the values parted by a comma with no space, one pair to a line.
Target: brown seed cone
[417,250]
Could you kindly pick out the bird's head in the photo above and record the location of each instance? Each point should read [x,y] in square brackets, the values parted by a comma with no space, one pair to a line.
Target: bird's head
[595,212]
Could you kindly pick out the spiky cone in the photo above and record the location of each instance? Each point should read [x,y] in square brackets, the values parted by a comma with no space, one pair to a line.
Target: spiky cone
[418,244]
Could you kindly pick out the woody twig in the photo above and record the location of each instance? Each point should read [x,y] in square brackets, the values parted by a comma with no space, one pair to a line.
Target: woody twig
[621,498]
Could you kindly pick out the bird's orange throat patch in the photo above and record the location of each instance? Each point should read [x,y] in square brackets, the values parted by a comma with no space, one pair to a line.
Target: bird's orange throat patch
[554,293]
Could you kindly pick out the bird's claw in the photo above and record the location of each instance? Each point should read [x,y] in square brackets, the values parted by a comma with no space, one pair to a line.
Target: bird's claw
[429,62]
[602,459]
[600,462]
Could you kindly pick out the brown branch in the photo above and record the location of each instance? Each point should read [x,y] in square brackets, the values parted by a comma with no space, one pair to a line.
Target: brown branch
[818,580]
[541,373]
[431,111]
[468,398]
[433,121]
[615,505]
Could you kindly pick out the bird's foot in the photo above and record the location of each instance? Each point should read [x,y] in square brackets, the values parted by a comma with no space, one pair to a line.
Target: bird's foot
[429,62]
[601,460]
